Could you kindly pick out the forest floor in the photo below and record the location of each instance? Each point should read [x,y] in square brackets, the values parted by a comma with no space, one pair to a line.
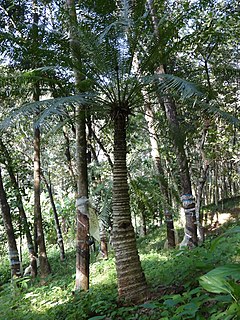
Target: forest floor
[202,283]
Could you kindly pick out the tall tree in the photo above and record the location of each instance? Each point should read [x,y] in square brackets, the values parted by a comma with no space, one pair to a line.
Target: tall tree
[9,166]
[45,268]
[56,219]
[7,220]
[131,280]
[82,241]
[178,138]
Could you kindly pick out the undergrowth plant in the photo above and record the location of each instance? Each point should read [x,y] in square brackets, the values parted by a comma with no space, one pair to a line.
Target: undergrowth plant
[199,284]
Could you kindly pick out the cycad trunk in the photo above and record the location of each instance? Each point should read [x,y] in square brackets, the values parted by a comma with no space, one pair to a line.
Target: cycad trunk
[7,220]
[131,280]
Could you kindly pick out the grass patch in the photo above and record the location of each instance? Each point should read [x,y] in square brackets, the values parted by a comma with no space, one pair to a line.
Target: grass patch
[173,276]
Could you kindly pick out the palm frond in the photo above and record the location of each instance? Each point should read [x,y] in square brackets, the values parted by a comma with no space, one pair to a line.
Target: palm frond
[214,109]
[168,83]
[43,110]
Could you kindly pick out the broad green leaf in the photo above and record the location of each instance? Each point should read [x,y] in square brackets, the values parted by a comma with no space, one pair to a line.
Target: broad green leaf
[229,270]
[227,233]
[215,284]
[234,309]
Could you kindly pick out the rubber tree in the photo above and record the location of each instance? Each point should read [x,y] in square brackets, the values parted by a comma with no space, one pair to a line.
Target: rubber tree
[45,268]
[7,160]
[82,213]
[7,221]
[163,183]
[187,198]
[56,219]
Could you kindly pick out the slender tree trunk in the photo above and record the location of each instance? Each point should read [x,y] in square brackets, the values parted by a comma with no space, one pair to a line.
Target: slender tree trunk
[187,198]
[82,258]
[103,241]
[45,269]
[22,213]
[149,116]
[170,230]
[69,158]
[143,221]
[57,224]
[201,183]
[82,241]
[131,280]
[7,220]
[102,148]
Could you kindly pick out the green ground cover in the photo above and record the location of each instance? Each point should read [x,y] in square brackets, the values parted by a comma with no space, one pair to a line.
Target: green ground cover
[203,283]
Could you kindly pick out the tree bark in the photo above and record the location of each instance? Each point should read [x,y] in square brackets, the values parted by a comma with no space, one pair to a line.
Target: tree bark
[103,240]
[131,280]
[187,198]
[69,158]
[82,258]
[45,269]
[163,183]
[7,220]
[57,224]
[22,213]
[82,237]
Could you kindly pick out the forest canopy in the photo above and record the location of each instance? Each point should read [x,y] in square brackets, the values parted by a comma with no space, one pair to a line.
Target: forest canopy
[119,127]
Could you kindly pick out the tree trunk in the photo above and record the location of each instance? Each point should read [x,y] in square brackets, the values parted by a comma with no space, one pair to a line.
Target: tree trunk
[22,213]
[7,220]
[45,269]
[57,224]
[163,183]
[202,180]
[103,240]
[187,198]
[69,158]
[170,230]
[131,280]
[82,258]
[82,241]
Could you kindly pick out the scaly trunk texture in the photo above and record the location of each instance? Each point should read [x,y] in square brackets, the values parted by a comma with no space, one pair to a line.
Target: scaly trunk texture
[7,221]
[82,237]
[57,224]
[131,280]
[45,269]
[22,213]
